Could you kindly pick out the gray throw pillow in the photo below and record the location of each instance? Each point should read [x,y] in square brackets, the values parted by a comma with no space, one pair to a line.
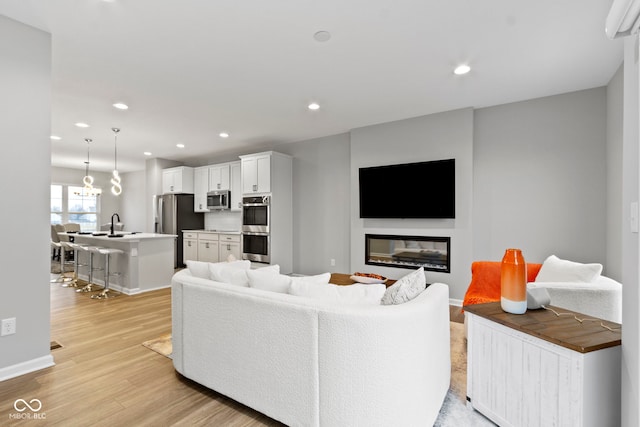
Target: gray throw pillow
[406,288]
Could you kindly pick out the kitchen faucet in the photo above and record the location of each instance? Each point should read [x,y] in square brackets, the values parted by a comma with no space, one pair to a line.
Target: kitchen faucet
[115,214]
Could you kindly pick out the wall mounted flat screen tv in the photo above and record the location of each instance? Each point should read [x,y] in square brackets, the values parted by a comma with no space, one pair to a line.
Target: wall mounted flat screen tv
[410,190]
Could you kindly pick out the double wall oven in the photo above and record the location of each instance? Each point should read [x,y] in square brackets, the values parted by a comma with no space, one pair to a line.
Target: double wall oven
[255,228]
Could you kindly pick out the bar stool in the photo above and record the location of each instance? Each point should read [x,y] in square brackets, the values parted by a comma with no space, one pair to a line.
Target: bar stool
[76,262]
[107,252]
[90,251]
[62,277]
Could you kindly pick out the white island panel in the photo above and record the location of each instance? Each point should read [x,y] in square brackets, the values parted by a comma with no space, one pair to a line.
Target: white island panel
[145,265]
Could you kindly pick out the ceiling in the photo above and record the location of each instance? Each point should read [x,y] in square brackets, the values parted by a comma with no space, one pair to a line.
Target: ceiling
[191,69]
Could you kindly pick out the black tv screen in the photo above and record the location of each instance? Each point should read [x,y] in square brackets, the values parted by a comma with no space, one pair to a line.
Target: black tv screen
[410,190]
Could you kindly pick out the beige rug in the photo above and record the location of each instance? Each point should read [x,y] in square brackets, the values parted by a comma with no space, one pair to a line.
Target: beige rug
[161,345]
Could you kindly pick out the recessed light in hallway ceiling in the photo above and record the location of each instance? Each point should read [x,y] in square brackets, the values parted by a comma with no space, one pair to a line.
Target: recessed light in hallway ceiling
[55,138]
[82,125]
[223,135]
[121,106]
[462,69]
[313,106]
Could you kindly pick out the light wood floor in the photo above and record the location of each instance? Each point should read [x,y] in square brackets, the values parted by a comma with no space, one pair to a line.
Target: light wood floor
[104,376]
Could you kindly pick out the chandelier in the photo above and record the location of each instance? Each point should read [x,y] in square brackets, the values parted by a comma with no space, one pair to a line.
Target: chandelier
[88,189]
[116,188]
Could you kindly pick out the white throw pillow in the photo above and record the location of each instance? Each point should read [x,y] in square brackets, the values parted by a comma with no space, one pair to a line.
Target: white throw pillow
[198,268]
[268,281]
[406,288]
[351,294]
[555,269]
[275,268]
[230,272]
[318,279]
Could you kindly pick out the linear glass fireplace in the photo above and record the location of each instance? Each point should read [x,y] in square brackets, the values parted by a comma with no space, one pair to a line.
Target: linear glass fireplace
[432,253]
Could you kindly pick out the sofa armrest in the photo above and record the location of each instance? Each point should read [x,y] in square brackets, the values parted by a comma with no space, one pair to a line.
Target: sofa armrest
[385,365]
[601,298]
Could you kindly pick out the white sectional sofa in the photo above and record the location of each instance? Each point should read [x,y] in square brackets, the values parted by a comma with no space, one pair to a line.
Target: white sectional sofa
[307,362]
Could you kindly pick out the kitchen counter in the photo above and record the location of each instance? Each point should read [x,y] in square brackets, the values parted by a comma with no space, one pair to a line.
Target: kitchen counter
[147,262]
[213,231]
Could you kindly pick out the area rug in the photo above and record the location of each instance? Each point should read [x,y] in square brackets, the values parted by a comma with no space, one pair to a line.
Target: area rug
[161,345]
[454,411]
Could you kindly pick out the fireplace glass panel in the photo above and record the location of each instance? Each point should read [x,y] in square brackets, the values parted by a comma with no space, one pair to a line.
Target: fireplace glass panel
[412,252]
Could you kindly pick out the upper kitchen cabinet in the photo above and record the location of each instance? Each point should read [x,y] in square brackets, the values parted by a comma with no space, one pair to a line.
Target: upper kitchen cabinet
[236,186]
[219,177]
[177,180]
[261,170]
[200,188]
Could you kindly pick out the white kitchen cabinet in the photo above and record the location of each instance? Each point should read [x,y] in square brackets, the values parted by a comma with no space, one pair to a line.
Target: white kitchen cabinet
[256,173]
[177,180]
[270,173]
[229,244]
[236,186]
[208,247]
[190,247]
[200,188]
[219,177]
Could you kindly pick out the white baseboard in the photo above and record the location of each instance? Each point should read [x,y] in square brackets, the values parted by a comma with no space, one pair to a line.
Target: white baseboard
[456,302]
[26,367]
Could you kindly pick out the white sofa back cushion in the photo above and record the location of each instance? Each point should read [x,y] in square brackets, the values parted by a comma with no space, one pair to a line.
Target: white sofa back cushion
[555,269]
[269,281]
[353,294]
[202,269]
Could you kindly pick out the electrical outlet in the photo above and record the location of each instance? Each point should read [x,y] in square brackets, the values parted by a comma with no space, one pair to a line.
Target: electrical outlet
[8,326]
[333,262]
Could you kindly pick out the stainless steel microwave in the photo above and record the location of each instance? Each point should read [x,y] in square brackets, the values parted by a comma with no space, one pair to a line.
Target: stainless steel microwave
[217,200]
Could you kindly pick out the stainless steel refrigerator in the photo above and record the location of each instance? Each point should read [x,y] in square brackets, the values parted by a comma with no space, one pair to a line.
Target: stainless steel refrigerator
[174,213]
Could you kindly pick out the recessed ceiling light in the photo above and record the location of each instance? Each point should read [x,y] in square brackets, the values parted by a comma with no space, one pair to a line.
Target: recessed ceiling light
[223,135]
[314,106]
[82,125]
[180,145]
[147,153]
[462,69]
[55,138]
[121,106]
[322,36]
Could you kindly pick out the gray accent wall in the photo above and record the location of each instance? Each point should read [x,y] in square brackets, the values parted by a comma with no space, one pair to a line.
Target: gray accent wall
[613,264]
[540,178]
[434,137]
[25,108]
[321,204]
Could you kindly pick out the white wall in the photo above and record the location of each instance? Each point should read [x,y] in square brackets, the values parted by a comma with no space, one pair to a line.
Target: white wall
[434,137]
[630,241]
[25,85]
[540,178]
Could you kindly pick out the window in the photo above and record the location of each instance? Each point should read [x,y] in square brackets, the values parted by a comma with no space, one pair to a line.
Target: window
[69,203]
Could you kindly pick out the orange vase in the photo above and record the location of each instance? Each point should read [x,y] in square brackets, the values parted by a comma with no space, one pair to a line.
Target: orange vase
[513,282]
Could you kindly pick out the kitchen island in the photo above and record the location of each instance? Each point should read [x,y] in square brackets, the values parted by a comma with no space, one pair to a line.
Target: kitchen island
[145,265]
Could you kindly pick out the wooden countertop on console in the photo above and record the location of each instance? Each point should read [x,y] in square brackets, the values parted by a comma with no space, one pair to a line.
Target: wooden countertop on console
[564,330]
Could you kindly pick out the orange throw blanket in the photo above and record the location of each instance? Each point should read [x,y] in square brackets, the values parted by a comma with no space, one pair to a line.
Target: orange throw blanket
[485,281]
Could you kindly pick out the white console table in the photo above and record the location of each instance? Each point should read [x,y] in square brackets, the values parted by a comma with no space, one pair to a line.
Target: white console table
[538,369]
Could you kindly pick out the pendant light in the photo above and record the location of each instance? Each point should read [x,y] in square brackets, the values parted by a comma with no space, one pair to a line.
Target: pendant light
[88,189]
[116,188]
